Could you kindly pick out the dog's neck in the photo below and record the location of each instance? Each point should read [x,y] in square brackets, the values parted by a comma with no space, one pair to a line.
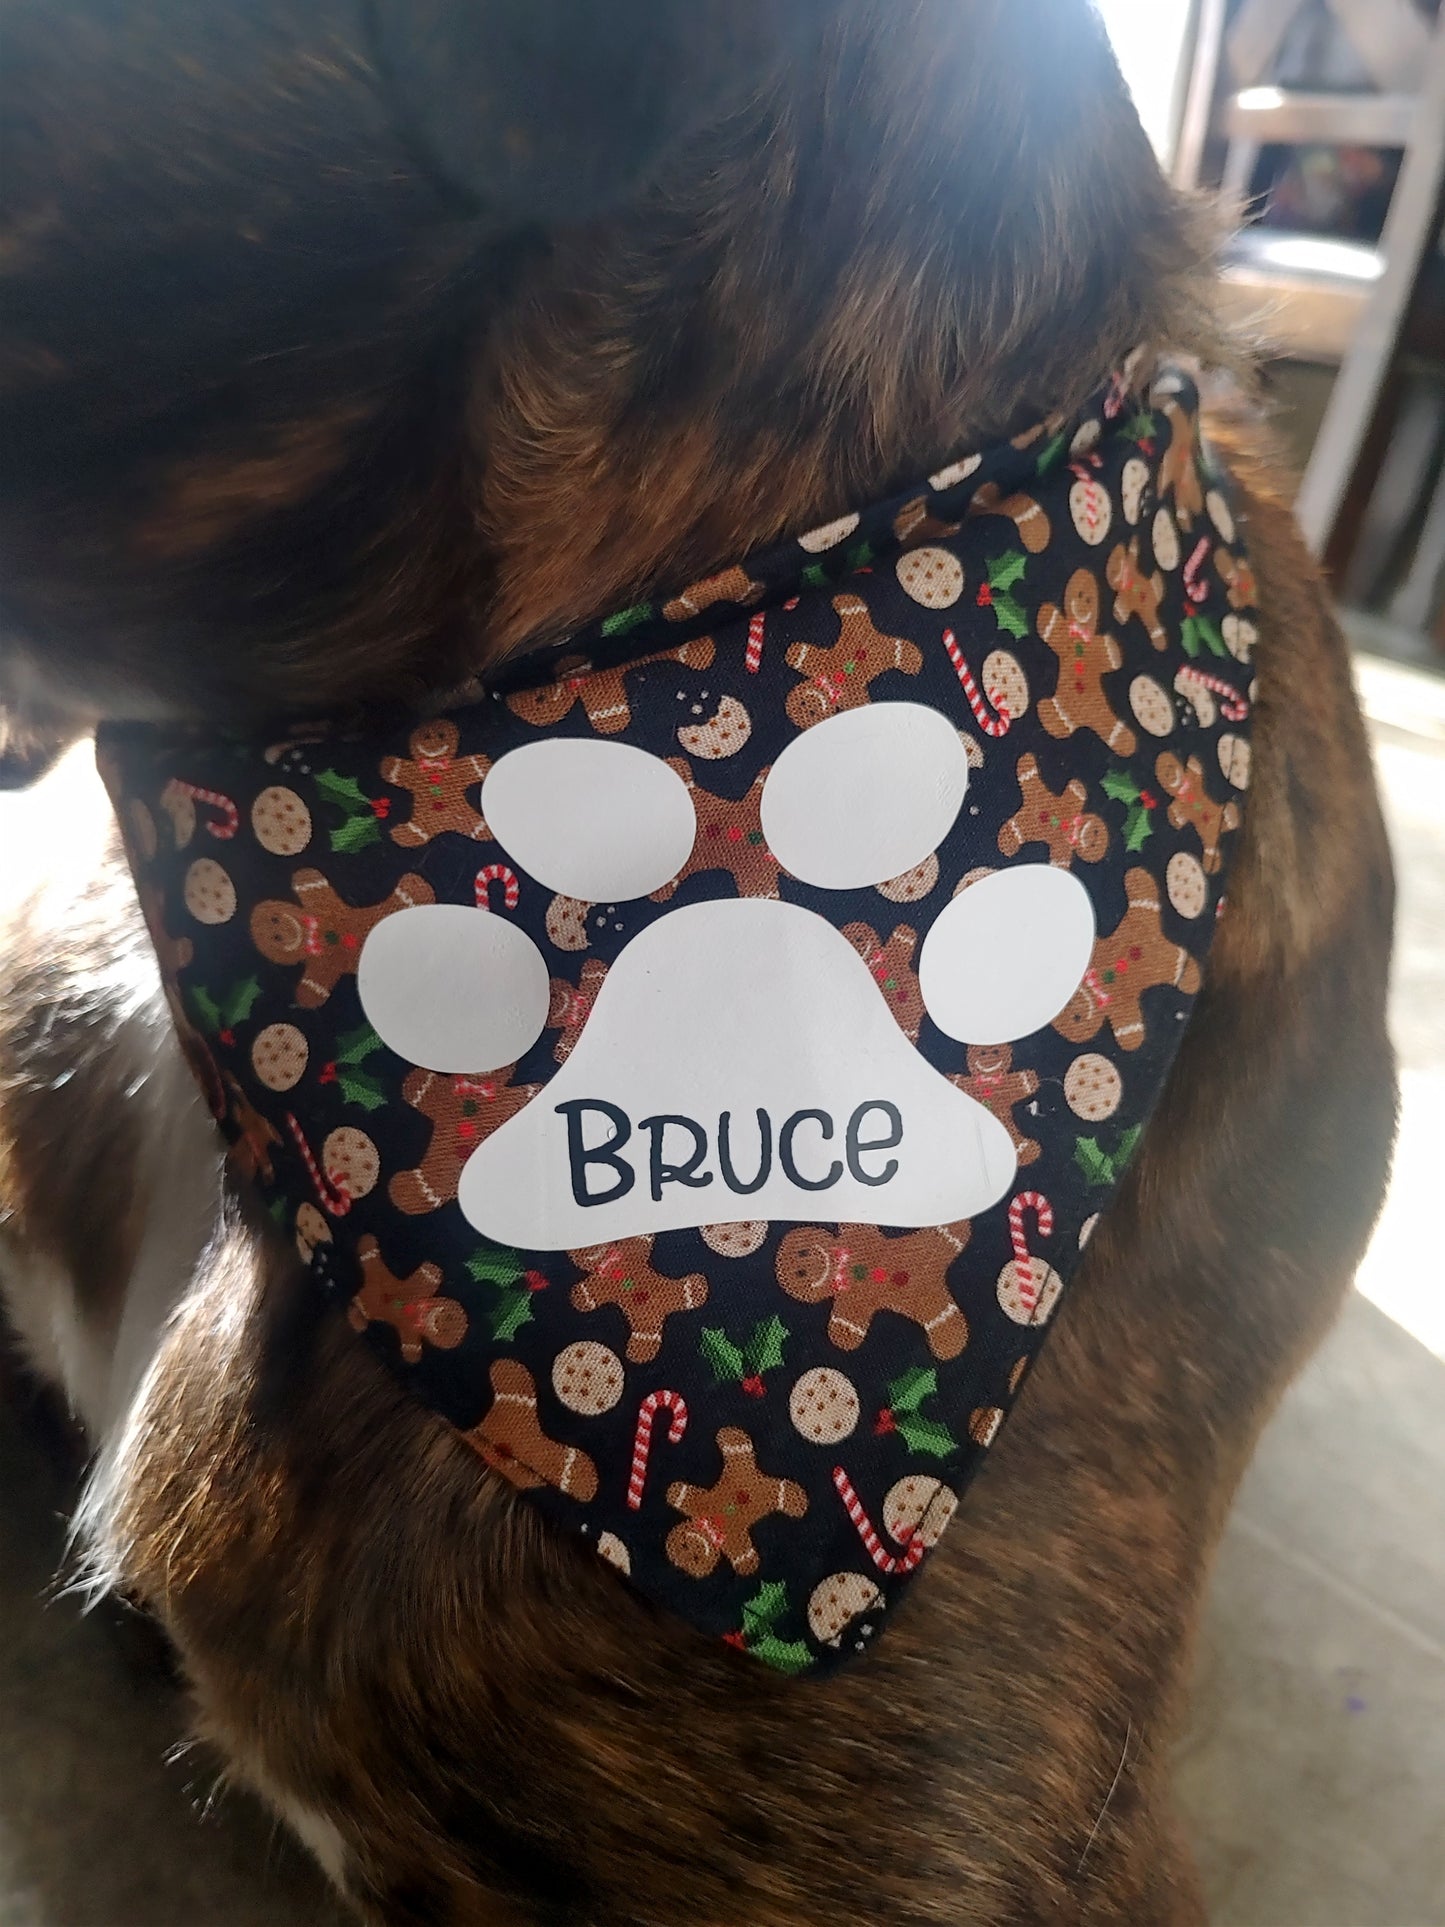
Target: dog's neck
[848,286]
[951,223]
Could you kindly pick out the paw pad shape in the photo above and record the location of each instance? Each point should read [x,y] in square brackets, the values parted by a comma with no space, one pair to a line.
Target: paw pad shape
[739,1060]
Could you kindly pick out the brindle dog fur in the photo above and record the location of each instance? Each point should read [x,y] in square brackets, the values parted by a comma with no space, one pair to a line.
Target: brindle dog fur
[310,397]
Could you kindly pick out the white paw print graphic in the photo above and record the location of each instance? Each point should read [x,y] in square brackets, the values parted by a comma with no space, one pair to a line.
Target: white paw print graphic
[740,1060]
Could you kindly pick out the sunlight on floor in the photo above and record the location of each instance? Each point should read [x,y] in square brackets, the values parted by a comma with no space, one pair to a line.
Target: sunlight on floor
[1404,1270]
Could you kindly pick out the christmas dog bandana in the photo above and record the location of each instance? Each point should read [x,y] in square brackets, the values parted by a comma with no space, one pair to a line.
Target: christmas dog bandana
[696,1061]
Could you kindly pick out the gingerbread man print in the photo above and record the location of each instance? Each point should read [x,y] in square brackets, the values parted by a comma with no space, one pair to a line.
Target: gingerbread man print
[891,964]
[570,1005]
[601,692]
[1193,807]
[1057,820]
[1085,658]
[322,932]
[1238,579]
[462,1111]
[729,837]
[1135,957]
[1029,517]
[411,1306]
[720,1518]
[838,676]
[510,1439]
[1137,594]
[622,1275]
[993,1082]
[729,585]
[437,780]
[864,1272]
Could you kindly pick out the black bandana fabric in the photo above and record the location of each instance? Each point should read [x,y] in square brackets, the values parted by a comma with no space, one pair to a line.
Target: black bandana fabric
[696,1062]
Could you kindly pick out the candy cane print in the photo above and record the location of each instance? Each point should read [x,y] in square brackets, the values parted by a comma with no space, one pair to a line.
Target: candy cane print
[230,816]
[886,1562]
[642,1444]
[990,725]
[753,661]
[1191,571]
[1023,1259]
[334,1198]
[1233,705]
[497,873]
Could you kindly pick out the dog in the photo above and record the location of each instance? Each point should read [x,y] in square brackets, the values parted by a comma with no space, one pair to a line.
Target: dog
[348,352]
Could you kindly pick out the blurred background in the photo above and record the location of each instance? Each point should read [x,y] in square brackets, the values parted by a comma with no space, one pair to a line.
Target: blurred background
[1313,1774]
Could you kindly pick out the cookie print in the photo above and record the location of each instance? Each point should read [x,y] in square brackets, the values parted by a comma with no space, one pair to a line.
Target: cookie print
[723,735]
[351,1162]
[918,1508]
[281,821]
[1028,1291]
[913,885]
[1149,701]
[588,1378]
[739,1240]
[824,1406]
[1234,761]
[279,1056]
[838,1601]
[210,894]
[1187,886]
[1093,1087]
[933,577]
[612,1549]
[694,1063]
[143,829]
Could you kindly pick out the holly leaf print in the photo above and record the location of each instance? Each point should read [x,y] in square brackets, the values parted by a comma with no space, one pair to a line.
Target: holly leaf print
[342,791]
[1052,455]
[360,1087]
[357,833]
[1007,569]
[925,1435]
[1095,1163]
[907,1393]
[1120,787]
[764,1350]
[512,1310]
[722,1354]
[355,1046]
[625,619]
[207,1009]
[495,1265]
[240,1001]
[784,1657]
[1140,428]
[815,576]
[1004,571]
[1128,1144]
[859,556]
[1199,632]
[763,1611]
[1138,829]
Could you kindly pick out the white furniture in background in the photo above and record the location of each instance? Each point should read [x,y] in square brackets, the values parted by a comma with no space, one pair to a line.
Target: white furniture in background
[1325,300]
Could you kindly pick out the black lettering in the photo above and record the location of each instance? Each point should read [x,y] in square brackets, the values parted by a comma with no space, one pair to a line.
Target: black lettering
[725,1154]
[665,1173]
[785,1151]
[580,1155]
[857,1144]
